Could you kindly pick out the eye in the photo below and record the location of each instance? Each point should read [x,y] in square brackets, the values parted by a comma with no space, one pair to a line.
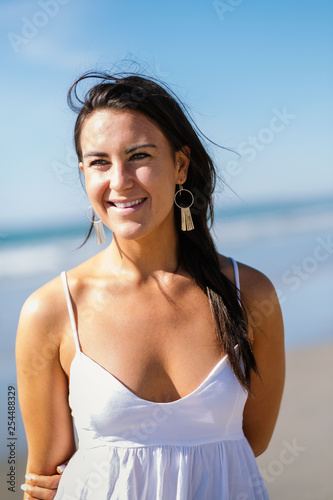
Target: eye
[139,156]
[99,164]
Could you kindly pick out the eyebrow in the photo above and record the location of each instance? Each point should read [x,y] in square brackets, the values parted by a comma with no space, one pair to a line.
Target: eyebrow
[138,146]
[127,151]
[95,153]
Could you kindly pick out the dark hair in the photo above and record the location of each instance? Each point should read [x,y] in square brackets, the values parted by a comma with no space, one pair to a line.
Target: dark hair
[197,251]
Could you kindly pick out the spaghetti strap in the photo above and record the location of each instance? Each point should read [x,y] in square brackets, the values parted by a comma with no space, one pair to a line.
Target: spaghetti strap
[71,312]
[237,281]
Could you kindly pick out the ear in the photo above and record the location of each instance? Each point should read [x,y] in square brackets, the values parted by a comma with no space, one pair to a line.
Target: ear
[183,158]
[81,167]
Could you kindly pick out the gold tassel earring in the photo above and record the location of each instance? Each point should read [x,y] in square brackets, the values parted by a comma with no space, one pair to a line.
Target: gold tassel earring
[186,217]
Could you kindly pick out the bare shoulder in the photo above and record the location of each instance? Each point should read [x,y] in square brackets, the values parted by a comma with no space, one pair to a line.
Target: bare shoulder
[45,310]
[258,295]
[42,304]
[42,316]
[261,301]
[253,283]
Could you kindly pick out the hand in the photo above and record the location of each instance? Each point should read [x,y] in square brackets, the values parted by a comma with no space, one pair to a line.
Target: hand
[39,487]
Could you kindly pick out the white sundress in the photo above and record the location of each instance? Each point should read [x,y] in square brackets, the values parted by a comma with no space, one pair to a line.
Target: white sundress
[129,448]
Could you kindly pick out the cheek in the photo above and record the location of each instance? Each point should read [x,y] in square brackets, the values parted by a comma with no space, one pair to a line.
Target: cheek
[159,182]
[149,181]
[95,184]
[145,176]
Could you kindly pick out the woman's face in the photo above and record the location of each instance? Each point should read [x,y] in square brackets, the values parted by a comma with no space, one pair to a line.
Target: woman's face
[130,172]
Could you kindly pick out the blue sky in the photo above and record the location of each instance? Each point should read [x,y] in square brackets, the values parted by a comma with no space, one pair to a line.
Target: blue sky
[257,74]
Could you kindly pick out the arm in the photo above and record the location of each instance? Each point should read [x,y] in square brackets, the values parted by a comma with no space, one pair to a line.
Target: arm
[43,385]
[267,333]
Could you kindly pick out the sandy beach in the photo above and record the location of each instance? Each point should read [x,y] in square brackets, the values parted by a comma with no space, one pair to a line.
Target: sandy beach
[298,462]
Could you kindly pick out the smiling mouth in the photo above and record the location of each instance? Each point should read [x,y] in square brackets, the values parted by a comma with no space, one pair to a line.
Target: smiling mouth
[127,204]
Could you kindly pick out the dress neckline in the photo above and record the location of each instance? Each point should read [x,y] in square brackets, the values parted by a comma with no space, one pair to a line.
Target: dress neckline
[221,363]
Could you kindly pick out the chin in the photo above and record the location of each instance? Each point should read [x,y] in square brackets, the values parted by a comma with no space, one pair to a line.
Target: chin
[130,232]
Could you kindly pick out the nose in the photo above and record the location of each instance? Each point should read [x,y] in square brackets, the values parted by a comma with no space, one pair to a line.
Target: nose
[120,177]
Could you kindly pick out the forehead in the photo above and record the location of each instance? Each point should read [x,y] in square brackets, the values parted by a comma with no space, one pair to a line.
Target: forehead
[117,128]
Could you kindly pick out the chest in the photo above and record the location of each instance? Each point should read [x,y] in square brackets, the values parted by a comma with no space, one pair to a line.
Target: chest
[161,346]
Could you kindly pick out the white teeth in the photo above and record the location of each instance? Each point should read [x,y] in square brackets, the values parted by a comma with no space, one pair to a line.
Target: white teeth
[129,204]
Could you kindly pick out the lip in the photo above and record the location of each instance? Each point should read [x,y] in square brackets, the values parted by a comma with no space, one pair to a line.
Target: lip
[126,210]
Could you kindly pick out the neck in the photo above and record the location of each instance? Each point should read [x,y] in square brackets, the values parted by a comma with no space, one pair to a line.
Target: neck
[146,257]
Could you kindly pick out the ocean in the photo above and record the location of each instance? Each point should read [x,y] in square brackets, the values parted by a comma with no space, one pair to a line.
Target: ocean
[291,243]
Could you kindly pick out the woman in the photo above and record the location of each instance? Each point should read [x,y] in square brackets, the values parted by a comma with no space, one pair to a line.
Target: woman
[157,345]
